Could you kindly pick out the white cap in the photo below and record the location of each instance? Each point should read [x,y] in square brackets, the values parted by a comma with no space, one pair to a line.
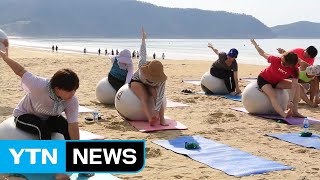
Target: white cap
[313,70]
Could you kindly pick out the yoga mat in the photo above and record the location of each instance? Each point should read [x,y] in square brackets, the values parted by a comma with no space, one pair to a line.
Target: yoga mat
[83,109]
[290,120]
[195,82]
[220,156]
[85,135]
[72,177]
[143,126]
[228,96]
[172,104]
[295,138]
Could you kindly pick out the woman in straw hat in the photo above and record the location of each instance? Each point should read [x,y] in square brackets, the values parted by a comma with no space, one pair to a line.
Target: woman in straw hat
[122,69]
[149,82]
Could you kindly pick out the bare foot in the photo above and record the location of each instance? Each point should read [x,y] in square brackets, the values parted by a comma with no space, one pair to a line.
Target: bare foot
[153,121]
[62,177]
[317,101]
[312,104]
[163,122]
[297,114]
[287,113]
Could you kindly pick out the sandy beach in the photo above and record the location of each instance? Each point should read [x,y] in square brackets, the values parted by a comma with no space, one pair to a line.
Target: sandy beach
[208,116]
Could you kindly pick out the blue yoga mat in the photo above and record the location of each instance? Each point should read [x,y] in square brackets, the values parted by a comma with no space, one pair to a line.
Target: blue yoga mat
[235,98]
[295,138]
[220,156]
[72,177]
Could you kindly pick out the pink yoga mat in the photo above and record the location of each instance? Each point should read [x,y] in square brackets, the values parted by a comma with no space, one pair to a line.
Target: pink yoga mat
[85,135]
[171,104]
[143,126]
[290,120]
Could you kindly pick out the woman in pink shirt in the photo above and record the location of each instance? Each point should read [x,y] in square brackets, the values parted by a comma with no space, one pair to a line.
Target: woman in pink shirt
[275,76]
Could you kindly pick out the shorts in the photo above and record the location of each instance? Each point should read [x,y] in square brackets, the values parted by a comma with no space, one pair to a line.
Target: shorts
[261,82]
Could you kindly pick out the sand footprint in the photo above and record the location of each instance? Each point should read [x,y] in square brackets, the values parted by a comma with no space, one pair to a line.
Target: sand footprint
[153,152]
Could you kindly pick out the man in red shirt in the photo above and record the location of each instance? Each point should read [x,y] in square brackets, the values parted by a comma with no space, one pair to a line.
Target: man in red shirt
[275,76]
[305,55]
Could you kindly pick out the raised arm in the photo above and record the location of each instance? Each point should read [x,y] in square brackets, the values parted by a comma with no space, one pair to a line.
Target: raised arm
[143,50]
[16,67]
[213,49]
[260,51]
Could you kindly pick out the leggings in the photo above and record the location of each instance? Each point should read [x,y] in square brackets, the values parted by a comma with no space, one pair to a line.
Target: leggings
[43,128]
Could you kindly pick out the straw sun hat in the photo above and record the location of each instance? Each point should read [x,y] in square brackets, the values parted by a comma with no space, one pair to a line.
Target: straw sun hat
[153,71]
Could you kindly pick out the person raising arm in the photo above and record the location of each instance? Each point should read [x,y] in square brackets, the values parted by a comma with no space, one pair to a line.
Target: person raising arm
[226,68]
[275,76]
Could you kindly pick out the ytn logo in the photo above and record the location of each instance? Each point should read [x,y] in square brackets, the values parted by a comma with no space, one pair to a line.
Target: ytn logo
[105,156]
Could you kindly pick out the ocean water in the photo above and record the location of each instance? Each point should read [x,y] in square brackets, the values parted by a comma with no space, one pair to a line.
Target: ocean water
[178,49]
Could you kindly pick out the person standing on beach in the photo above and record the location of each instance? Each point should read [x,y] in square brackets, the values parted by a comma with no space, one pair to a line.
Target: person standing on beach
[154,55]
[112,52]
[84,51]
[226,68]
[276,76]
[56,48]
[39,111]
[99,51]
[306,59]
[149,82]
[122,69]
[117,52]
[52,48]
[105,52]
[163,56]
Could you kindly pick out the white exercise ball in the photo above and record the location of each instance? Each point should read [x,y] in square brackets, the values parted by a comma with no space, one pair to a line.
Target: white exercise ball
[129,105]
[257,102]
[9,131]
[211,84]
[105,93]
[3,37]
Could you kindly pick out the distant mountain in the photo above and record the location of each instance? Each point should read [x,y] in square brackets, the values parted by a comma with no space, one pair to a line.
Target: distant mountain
[301,29]
[123,19]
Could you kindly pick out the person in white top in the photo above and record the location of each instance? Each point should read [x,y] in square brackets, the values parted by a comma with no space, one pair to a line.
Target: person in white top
[39,111]
[149,82]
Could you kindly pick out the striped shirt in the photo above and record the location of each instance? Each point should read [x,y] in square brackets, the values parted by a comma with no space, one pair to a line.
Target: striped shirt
[138,76]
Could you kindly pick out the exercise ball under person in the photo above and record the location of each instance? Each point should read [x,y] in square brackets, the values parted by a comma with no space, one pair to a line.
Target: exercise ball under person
[105,93]
[9,131]
[211,84]
[256,102]
[129,105]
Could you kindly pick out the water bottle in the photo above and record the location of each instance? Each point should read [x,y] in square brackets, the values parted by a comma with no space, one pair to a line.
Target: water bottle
[95,116]
[306,125]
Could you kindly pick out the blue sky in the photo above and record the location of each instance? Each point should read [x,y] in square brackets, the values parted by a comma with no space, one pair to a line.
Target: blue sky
[270,12]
